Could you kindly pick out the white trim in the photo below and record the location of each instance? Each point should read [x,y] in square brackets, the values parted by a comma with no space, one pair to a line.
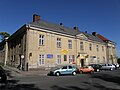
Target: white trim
[45,30]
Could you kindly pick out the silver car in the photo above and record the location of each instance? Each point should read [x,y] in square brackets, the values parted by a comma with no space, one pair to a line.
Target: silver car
[107,67]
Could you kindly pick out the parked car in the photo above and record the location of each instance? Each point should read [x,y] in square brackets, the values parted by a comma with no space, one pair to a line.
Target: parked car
[64,70]
[3,75]
[96,67]
[85,69]
[116,65]
[107,67]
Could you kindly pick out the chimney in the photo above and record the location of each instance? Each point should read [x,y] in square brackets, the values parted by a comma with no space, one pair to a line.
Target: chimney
[85,31]
[36,18]
[61,24]
[94,33]
[75,28]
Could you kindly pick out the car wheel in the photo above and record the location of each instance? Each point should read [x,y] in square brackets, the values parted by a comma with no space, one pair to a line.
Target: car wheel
[57,74]
[111,69]
[98,70]
[81,72]
[74,73]
[91,71]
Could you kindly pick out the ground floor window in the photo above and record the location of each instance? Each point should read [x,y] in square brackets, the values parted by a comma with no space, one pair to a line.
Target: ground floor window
[41,59]
[71,58]
[58,59]
[65,57]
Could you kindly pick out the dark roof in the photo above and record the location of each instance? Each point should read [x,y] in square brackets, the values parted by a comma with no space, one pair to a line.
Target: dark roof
[62,29]
[55,27]
[92,37]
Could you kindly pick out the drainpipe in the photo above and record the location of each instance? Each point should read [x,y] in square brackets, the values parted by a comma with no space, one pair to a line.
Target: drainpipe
[6,51]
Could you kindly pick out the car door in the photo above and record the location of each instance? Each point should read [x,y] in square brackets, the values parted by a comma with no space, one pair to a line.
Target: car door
[64,70]
[70,70]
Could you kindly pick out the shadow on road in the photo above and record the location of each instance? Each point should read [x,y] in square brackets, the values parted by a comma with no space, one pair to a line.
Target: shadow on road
[12,85]
[55,87]
[107,77]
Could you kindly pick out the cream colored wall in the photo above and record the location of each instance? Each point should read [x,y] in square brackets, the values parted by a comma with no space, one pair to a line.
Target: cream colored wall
[99,54]
[50,47]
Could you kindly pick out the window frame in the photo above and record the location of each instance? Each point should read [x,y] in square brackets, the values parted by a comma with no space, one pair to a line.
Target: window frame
[59,43]
[41,39]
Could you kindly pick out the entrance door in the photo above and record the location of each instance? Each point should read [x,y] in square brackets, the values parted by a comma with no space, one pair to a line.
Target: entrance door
[82,62]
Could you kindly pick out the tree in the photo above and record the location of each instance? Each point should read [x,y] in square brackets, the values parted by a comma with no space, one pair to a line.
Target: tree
[118,60]
[4,35]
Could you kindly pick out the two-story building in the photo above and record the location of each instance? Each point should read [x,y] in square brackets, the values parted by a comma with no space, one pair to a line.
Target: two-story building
[42,44]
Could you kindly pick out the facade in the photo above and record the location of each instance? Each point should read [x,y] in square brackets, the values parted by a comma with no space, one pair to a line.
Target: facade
[110,49]
[41,44]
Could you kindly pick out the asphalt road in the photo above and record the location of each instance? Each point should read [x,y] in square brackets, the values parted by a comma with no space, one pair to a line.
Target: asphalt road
[104,80]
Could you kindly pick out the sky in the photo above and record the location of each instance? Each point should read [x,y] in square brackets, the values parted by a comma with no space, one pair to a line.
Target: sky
[101,16]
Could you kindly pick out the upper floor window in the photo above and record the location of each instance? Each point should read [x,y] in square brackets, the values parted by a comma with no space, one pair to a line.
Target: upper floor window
[81,46]
[97,48]
[58,42]
[102,48]
[70,44]
[41,40]
[90,47]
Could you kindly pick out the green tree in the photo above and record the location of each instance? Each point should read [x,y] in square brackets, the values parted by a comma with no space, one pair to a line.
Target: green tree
[4,35]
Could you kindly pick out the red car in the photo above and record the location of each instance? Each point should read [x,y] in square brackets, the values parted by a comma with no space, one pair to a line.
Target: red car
[86,69]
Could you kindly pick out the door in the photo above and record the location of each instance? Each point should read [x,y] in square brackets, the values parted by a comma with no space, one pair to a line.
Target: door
[82,62]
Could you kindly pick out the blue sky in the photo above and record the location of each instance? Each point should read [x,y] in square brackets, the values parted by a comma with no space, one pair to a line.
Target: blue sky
[102,16]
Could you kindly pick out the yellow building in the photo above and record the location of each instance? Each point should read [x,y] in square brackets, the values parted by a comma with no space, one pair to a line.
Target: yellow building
[41,44]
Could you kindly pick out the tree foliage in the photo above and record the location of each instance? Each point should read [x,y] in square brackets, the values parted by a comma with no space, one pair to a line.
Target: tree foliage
[4,35]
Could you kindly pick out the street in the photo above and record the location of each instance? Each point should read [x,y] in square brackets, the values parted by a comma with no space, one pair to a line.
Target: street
[104,80]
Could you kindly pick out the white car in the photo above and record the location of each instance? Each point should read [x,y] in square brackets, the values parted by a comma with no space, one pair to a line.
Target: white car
[107,67]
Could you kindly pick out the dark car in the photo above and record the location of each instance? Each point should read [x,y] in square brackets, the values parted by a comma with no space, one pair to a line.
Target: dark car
[3,75]
[96,67]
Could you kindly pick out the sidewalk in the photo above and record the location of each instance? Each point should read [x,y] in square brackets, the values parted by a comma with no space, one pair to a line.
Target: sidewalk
[16,72]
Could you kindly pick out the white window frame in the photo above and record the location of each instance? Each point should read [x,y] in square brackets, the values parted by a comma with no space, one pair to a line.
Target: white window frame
[70,44]
[90,47]
[97,48]
[58,42]
[71,58]
[58,59]
[41,40]
[41,59]
[81,46]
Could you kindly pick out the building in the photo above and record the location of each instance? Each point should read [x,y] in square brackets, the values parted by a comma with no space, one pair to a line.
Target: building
[110,49]
[41,44]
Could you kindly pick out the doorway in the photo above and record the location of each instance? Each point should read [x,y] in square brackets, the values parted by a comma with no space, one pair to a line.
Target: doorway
[82,62]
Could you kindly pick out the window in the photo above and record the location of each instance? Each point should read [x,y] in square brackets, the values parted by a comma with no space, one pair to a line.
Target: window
[70,44]
[58,59]
[102,48]
[58,42]
[81,46]
[70,67]
[41,40]
[71,58]
[41,59]
[97,48]
[64,67]
[91,58]
[65,57]
[90,47]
